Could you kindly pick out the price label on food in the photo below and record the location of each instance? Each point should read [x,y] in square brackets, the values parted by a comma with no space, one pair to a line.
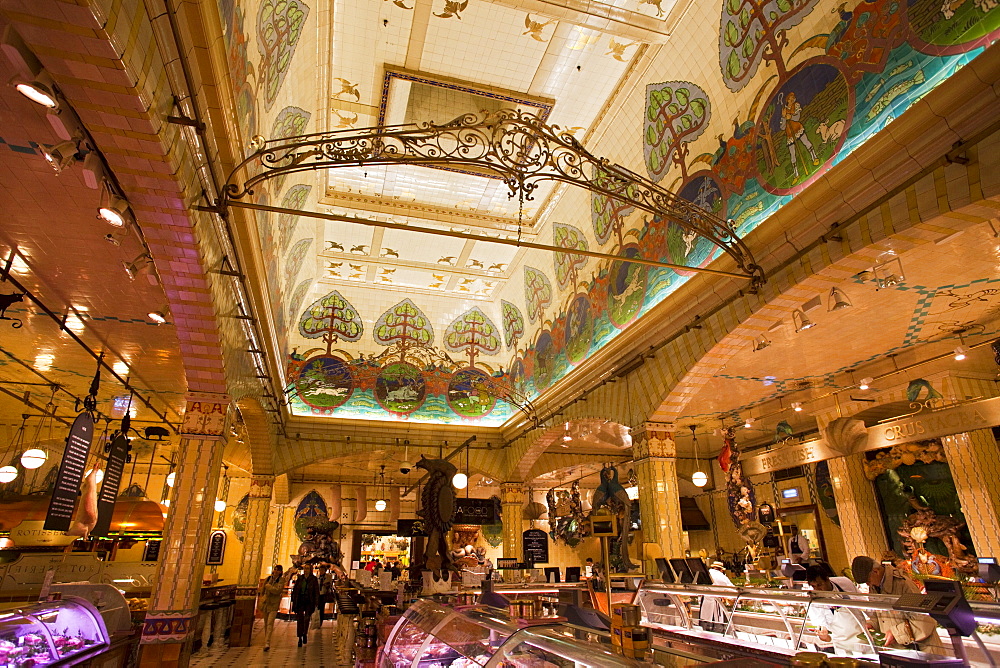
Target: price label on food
[536,546]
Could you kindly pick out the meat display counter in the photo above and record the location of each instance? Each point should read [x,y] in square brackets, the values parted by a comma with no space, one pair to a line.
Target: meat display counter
[431,635]
[774,624]
[54,633]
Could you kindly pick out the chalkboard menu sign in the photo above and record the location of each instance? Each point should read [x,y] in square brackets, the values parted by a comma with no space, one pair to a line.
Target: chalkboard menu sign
[67,485]
[152,550]
[476,511]
[216,548]
[109,488]
[536,546]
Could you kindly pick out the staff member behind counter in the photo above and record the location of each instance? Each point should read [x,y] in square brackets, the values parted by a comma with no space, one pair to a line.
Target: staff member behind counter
[712,615]
[837,625]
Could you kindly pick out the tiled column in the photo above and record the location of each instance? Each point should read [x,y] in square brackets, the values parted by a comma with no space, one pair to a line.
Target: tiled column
[173,605]
[860,516]
[974,459]
[512,495]
[250,566]
[659,499]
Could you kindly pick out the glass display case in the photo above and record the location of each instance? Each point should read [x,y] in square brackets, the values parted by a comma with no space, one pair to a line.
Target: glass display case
[431,635]
[775,623]
[63,632]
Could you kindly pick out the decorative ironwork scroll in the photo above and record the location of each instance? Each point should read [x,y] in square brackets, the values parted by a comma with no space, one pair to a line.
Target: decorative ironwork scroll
[512,145]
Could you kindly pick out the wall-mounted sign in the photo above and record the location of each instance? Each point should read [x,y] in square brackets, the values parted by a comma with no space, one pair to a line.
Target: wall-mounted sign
[765,514]
[790,493]
[411,528]
[787,457]
[113,471]
[152,550]
[216,548]
[479,512]
[67,486]
[536,546]
[935,423]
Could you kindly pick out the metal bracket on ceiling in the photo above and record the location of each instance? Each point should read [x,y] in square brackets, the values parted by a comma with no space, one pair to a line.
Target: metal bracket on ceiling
[189,122]
[510,144]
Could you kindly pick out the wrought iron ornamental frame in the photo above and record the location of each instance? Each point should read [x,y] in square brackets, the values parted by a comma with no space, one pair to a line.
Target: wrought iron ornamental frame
[513,145]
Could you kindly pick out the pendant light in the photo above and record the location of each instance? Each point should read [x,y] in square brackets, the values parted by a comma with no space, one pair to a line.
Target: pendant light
[9,472]
[380,504]
[33,458]
[699,477]
[461,480]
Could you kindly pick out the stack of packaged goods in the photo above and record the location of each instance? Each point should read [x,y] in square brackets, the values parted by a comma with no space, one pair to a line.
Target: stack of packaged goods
[626,632]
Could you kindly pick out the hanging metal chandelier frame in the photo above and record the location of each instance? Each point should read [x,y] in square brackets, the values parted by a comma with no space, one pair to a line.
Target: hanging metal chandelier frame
[510,144]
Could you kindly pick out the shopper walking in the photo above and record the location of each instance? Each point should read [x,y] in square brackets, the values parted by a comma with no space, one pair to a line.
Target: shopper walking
[305,598]
[325,579]
[270,592]
[903,630]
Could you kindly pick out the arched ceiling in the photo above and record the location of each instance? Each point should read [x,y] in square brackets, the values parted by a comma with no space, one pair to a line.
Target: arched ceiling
[727,121]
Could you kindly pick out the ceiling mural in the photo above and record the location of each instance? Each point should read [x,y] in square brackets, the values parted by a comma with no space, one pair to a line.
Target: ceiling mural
[792,89]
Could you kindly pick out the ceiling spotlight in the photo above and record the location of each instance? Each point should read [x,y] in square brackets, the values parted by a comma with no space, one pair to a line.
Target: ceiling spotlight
[748,423]
[761,343]
[801,321]
[838,300]
[38,93]
[960,353]
[137,265]
[114,212]
[866,383]
[61,155]
[797,406]
[156,317]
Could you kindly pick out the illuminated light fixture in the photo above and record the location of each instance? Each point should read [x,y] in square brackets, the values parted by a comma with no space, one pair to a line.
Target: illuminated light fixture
[220,506]
[748,423]
[380,505]
[137,265]
[114,212]
[33,458]
[61,155]
[38,93]
[633,492]
[838,300]
[460,481]
[165,502]
[801,321]
[888,270]
[960,353]
[699,477]
[761,343]
[120,367]
[171,478]
[866,383]
[797,406]
[99,476]
[156,317]
[7,473]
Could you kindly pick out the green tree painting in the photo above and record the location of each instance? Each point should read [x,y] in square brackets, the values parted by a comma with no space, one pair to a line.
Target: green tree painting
[333,318]
[755,30]
[568,265]
[608,213]
[279,27]
[537,292]
[513,323]
[677,113]
[404,325]
[472,333]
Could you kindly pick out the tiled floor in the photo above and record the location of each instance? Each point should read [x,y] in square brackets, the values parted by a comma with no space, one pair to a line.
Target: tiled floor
[322,651]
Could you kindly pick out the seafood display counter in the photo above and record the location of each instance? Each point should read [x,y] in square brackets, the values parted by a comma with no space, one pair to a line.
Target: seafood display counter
[775,624]
[431,635]
[55,633]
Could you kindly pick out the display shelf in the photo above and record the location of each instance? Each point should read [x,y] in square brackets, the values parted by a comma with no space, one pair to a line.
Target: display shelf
[63,632]
[433,635]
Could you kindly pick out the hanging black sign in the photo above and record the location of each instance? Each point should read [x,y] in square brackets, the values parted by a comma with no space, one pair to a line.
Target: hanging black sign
[478,512]
[536,546]
[67,486]
[109,488]
[216,548]
[152,550]
[765,514]
[411,528]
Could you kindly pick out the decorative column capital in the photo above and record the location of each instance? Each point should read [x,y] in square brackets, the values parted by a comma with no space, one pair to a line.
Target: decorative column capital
[261,486]
[512,493]
[205,415]
[654,439]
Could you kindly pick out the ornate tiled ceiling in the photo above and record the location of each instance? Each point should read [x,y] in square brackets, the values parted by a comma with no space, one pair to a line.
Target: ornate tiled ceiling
[747,104]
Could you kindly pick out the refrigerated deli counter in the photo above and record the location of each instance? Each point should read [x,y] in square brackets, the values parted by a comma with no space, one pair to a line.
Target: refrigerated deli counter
[55,633]
[431,635]
[774,624]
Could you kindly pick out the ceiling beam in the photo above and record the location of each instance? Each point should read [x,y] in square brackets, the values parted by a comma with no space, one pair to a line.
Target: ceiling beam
[604,17]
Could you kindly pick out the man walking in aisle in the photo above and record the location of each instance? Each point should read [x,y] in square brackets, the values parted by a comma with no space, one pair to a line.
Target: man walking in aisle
[305,598]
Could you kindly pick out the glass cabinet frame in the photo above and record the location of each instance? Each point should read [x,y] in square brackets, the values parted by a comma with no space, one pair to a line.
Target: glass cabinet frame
[76,616]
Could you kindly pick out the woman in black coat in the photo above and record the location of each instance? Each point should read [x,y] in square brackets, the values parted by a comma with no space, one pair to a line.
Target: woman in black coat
[305,599]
